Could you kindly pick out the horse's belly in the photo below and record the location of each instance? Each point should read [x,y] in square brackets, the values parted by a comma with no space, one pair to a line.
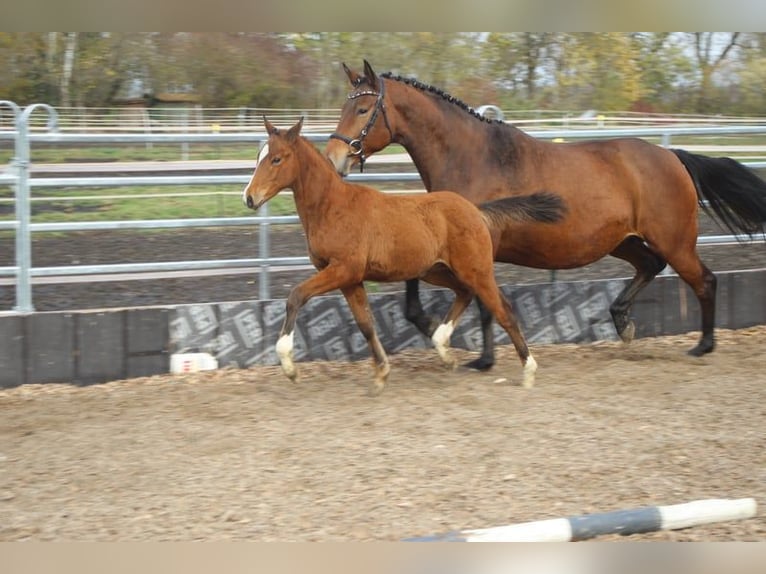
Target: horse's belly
[548,251]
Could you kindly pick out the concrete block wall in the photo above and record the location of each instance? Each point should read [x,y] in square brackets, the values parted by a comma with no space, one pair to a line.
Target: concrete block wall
[87,347]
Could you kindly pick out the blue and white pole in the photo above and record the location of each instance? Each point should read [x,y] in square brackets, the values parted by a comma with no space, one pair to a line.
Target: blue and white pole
[625,522]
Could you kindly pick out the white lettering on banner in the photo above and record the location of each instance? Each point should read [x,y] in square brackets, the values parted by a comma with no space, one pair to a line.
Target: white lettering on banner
[528,309]
[323,324]
[566,323]
[593,308]
[273,313]
[335,349]
[225,343]
[180,330]
[545,335]
[203,318]
[249,328]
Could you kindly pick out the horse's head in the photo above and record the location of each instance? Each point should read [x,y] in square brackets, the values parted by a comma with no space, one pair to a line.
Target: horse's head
[276,168]
[363,128]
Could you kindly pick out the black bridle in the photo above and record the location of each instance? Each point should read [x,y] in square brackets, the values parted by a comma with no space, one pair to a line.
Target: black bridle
[355,145]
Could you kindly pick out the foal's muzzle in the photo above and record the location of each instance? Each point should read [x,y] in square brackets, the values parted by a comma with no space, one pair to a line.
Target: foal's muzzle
[250,202]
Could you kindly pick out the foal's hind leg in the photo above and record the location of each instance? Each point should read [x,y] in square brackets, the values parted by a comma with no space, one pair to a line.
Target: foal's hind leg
[444,277]
[360,308]
[648,264]
[499,306]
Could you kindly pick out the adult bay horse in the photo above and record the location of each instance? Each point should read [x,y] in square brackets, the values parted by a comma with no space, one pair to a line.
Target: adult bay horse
[356,233]
[625,197]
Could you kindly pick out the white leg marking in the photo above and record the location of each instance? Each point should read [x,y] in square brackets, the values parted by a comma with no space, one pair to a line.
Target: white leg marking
[529,372]
[284,349]
[441,338]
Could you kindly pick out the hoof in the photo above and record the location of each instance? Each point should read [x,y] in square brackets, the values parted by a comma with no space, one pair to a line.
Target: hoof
[703,348]
[481,364]
[628,332]
[290,372]
[376,387]
[530,368]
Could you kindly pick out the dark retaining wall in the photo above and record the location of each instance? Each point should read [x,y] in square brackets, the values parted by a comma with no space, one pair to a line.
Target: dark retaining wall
[87,347]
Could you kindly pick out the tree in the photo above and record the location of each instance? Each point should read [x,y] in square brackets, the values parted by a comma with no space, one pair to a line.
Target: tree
[711,51]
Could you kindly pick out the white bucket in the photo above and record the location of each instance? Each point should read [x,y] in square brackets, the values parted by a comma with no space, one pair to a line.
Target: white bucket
[192,362]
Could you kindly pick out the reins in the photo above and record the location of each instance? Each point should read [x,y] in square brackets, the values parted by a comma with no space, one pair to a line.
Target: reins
[355,145]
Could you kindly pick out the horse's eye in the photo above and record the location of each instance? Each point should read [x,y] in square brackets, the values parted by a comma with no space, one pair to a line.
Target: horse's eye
[361,111]
[276,160]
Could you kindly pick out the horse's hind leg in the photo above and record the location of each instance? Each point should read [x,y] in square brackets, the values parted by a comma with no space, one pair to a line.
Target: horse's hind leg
[413,310]
[647,264]
[360,308]
[486,360]
[703,282]
[499,306]
[444,277]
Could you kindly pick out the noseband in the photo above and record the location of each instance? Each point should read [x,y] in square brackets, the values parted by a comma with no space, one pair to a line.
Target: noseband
[355,145]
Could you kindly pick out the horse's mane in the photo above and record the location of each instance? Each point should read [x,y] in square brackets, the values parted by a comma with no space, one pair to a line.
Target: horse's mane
[440,93]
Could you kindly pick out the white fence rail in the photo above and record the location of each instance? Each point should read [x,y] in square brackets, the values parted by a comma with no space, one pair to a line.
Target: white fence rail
[18,176]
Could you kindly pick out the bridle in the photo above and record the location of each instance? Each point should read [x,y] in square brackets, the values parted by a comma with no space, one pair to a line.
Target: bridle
[355,145]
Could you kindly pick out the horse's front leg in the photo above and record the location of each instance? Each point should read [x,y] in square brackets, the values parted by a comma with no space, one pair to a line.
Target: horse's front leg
[414,312]
[360,308]
[326,280]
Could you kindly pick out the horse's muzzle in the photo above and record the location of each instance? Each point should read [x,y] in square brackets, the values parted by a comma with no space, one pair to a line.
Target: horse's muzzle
[250,202]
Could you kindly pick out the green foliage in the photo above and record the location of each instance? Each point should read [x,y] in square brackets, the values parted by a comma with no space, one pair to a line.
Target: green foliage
[608,71]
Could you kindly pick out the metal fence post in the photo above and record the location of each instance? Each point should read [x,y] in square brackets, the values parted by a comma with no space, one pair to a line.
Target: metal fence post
[23,211]
[264,240]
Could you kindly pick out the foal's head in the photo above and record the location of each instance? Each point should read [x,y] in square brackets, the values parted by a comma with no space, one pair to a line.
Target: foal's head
[363,127]
[277,165]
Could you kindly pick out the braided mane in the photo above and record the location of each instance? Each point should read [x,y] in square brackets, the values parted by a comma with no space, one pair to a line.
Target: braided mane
[441,93]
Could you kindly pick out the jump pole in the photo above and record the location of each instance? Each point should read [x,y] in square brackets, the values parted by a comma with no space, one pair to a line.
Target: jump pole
[625,522]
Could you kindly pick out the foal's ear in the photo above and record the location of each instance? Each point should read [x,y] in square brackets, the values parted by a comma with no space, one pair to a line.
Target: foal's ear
[353,77]
[372,77]
[270,129]
[293,132]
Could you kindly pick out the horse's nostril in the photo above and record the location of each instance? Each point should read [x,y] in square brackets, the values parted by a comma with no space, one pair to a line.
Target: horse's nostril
[250,202]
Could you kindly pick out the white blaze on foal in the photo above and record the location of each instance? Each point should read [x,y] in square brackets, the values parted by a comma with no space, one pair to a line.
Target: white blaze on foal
[262,154]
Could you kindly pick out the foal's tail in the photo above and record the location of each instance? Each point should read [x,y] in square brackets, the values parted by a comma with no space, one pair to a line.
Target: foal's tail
[542,206]
[733,192]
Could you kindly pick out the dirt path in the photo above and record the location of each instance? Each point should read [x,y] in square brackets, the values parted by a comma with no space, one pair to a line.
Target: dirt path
[246,455]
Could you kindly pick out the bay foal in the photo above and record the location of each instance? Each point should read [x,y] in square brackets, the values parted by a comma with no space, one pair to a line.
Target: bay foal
[356,233]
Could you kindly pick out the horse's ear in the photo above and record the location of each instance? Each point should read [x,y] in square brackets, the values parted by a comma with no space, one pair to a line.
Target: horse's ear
[372,77]
[293,132]
[270,129]
[353,77]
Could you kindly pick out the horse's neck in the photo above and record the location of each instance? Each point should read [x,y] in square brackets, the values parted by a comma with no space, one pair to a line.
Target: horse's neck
[312,189]
[433,131]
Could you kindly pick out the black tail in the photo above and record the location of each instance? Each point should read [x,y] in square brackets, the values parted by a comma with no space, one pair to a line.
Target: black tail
[542,206]
[734,193]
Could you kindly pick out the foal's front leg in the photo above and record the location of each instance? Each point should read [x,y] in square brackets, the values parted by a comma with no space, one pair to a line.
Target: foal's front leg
[324,281]
[360,308]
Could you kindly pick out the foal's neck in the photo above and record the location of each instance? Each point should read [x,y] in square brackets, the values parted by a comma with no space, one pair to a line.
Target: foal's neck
[312,188]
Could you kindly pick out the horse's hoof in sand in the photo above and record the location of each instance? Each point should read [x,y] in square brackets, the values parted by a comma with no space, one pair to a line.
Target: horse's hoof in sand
[376,387]
[290,372]
[480,364]
[628,332]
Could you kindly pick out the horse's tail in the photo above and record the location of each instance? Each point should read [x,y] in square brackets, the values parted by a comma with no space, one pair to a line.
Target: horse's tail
[729,190]
[542,206]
